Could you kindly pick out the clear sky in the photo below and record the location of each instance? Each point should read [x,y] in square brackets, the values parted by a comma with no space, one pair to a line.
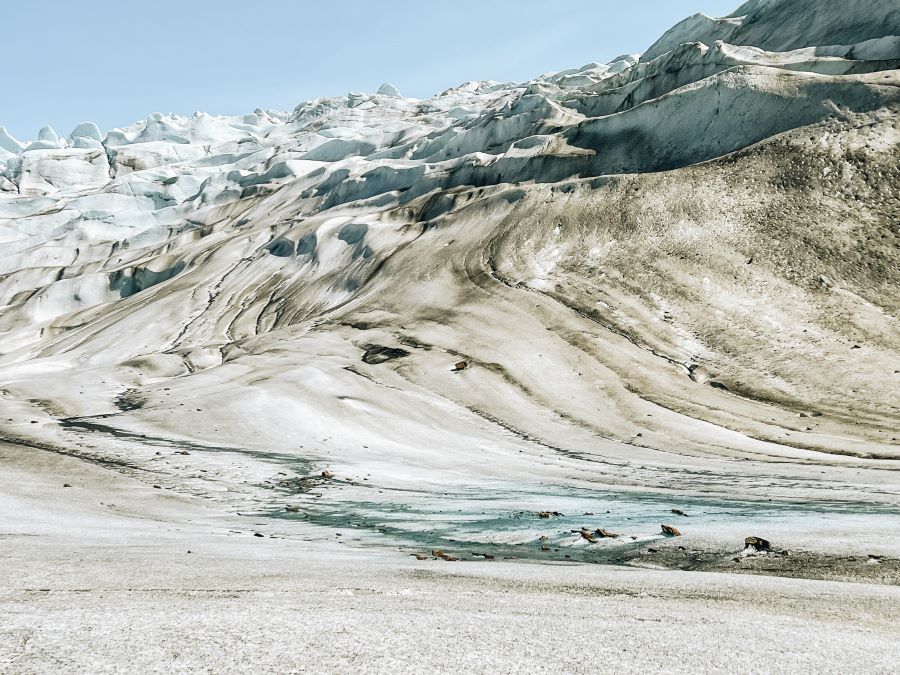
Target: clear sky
[115,61]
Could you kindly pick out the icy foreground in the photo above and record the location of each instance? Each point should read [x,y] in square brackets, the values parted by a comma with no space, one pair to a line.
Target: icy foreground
[672,280]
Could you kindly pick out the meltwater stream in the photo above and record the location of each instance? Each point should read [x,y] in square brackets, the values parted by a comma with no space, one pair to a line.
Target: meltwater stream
[545,522]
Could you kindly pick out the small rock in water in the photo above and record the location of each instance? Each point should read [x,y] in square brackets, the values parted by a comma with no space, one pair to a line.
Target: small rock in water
[671,531]
[66,485]
[438,553]
[548,514]
[600,532]
[327,475]
[757,543]
[679,512]
[258,534]
[419,556]
[292,509]
[461,365]
[157,487]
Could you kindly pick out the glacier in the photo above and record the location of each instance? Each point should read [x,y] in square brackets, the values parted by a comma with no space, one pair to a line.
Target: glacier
[264,377]
[674,273]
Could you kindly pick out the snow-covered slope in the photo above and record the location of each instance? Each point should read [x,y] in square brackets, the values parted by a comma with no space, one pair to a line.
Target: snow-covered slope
[653,268]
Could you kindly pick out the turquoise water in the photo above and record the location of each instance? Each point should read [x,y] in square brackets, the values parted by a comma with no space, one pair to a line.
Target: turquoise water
[503,521]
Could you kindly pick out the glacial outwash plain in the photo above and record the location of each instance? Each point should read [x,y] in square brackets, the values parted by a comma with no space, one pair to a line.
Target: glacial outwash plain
[598,372]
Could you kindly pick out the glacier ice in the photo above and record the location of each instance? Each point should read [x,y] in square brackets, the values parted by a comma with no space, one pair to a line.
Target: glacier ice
[387,89]
[618,249]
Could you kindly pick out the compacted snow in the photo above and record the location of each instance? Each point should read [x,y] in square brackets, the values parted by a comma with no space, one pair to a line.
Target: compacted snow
[669,281]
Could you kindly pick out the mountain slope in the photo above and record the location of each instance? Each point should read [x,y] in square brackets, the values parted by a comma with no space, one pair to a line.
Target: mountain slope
[672,274]
[786,25]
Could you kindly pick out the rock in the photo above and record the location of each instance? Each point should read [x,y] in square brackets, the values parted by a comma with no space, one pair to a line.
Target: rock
[679,512]
[65,485]
[757,543]
[376,354]
[439,554]
[419,556]
[292,509]
[327,475]
[258,534]
[548,514]
[600,532]
[157,487]
[670,531]
[461,365]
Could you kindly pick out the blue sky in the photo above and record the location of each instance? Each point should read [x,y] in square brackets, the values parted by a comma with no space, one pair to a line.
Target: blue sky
[116,61]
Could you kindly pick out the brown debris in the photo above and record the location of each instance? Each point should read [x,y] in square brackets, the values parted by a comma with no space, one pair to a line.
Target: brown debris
[440,555]
[757,543]
[588,535]
[600,532]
